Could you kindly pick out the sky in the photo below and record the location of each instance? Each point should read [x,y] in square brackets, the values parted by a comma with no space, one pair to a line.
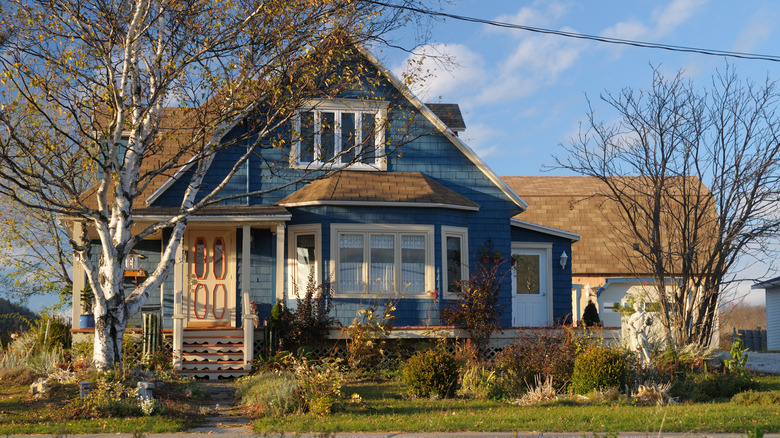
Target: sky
[523,95]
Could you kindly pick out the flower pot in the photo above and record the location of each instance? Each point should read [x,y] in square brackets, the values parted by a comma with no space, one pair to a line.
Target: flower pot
[485,260]
[87,321]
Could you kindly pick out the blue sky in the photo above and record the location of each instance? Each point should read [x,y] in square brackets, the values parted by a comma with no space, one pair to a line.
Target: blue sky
[523,94]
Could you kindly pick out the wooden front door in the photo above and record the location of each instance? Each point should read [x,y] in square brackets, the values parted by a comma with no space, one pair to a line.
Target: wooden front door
[212,279]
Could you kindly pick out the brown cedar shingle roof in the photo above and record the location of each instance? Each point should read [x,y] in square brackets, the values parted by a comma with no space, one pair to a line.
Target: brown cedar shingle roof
[566,203]
[350,187]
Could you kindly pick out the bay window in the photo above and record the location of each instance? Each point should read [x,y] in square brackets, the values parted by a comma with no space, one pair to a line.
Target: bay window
[382,259]
[334,133]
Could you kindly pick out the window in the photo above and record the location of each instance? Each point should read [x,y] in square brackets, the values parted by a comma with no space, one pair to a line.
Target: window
[303,257]
[340,133]
[382,259]
[454,250]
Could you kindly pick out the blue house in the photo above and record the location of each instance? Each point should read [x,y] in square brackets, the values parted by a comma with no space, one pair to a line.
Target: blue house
[411,216]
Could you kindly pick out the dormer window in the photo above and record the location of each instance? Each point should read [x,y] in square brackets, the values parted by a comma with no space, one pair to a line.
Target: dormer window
[337,133]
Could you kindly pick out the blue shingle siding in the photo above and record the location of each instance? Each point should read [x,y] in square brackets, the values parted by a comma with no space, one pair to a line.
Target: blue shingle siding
[561,276]
[422,149]
[167,291]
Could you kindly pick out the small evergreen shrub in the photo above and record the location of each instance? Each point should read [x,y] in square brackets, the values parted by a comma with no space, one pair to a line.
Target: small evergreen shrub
[599,367]
[590,316]
[431,372]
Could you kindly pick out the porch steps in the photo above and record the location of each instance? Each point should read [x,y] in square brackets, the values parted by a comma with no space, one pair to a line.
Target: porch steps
[213,353]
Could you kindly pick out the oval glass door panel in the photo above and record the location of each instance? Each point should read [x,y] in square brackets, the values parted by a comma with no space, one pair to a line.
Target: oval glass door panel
[200,301]
[200,258]
[219,301]
[219,258]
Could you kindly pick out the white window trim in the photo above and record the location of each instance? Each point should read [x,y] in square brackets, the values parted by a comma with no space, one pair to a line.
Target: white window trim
[548,248]
[463,233]
[293,231]
[339,106]
[427,230]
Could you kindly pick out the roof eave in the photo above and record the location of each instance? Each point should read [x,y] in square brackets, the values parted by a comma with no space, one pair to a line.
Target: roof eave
[381,204]
[545,230]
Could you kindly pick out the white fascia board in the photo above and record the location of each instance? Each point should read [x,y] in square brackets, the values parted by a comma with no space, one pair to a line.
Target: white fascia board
[445,130]
[230,219]
[380,204]
[169,182]
[545,230]
[774,282]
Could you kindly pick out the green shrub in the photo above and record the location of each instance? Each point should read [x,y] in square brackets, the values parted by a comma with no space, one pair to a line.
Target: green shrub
[708,386]
[541,356]
[269,394]
[753,397]
[599,367]
[431,372]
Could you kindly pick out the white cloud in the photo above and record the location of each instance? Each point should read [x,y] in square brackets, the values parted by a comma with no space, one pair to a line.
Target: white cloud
[760,26]
[482,139]
[538,15]
[661,22]
[443,70]
[537,61]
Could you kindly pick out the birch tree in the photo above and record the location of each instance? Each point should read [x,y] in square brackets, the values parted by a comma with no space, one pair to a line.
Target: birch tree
[87,87]
[694,173]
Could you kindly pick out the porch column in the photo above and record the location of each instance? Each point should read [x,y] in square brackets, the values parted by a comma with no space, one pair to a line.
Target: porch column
[178,306]
[280,262]
[79,280]
[248,318]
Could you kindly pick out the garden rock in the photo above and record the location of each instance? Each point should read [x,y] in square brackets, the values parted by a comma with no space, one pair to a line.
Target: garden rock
[40,387]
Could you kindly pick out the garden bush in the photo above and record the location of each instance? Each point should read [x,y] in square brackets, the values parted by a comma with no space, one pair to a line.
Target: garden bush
[542,356]
[319,385]
[599,367]
[269,394]
[708,386]
[753,397]
[431,372]
[481,381]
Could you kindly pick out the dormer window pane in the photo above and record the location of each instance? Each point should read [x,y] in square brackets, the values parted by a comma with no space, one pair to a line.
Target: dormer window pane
[368,146]
[347,137]
[306,134]
[327,136]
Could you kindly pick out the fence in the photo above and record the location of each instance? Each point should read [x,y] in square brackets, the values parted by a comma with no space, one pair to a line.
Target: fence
[754,340]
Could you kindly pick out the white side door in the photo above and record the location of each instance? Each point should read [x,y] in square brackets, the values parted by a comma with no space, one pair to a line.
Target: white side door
[531,287]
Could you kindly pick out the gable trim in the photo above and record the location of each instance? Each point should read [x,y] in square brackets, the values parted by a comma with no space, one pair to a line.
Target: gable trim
[445,130]
[544,230]
[381,204]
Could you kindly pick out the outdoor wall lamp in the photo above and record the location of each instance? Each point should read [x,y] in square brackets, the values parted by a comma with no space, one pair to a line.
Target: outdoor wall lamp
[564,259]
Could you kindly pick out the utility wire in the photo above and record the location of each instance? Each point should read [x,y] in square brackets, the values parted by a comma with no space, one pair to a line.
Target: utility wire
[649,45]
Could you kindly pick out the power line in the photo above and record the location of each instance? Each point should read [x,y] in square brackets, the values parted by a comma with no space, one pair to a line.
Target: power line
[644,44]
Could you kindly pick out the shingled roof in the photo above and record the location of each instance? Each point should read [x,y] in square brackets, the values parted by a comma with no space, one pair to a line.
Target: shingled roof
[567,203]
[449,113]
[378,188]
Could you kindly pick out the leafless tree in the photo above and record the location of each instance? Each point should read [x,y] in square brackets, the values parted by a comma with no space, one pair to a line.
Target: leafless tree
[694,172]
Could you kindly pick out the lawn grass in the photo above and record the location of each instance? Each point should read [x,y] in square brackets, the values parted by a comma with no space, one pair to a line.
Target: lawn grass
[19,414]
[385,408]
